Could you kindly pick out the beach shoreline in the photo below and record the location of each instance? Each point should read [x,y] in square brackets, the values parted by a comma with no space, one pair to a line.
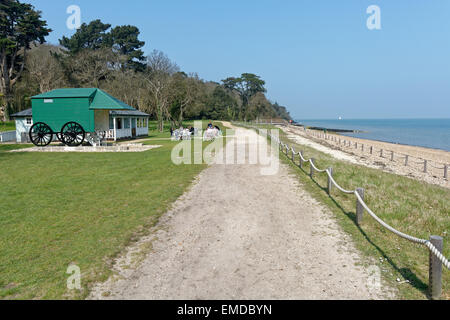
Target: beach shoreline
[358,152]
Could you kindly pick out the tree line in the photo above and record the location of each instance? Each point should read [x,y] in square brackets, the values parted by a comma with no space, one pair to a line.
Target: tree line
[111,58]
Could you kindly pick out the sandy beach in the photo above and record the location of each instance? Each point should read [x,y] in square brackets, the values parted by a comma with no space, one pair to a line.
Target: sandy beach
[361,155]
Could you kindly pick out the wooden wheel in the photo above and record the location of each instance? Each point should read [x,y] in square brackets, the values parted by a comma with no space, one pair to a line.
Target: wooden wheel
[41,135]
[73,134]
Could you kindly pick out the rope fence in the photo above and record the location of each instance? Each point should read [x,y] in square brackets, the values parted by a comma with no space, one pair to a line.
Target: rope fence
[434,244]
[424,164]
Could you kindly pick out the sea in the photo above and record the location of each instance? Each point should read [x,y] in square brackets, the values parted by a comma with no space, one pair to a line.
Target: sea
[429,133]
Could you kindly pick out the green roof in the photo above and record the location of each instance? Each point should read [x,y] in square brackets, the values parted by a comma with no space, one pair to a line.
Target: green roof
[104,101]
[100,99]
[67,93]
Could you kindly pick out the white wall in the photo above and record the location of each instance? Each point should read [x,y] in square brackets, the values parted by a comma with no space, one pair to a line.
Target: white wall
[22,127]
[101,120]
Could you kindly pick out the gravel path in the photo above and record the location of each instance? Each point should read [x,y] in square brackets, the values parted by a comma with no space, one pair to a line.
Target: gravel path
[240,235]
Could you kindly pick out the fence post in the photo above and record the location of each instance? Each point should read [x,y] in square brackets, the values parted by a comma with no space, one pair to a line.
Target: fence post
[311,167]
[445,171]
[359,207]
[371,150]
[301,159]
[362,148]
[406,160]
[356,145]
[425,166]
[330,184]
[293,154]
[392,155]
[435,277]
[381,153]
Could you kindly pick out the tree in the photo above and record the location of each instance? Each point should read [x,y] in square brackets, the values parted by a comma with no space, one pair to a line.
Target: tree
[259,107]
[44,68]
[184,90]
[88,36]
[123,40]
[158,76]
[20,25]
[221,105]
[89,67]
[247,86]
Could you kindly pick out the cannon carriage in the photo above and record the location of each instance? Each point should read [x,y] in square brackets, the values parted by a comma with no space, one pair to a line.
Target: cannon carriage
[73,116]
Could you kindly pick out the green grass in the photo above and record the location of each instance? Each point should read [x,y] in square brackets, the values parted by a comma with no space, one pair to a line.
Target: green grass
[7,126]
[82,208]
[411,206]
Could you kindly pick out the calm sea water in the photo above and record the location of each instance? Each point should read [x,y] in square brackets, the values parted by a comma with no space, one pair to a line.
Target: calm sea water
[430,133]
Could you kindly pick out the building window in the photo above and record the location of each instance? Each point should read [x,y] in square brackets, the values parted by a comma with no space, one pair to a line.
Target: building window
[29,121]
[111,123]
[126,123]
[119,123]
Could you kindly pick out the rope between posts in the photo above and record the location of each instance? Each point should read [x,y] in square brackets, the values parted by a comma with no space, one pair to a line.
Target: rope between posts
[337,185]
[427,243]
[315,168]
[424,242]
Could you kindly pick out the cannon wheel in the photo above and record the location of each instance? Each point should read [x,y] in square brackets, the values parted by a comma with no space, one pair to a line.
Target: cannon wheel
[41,135]
[73,134]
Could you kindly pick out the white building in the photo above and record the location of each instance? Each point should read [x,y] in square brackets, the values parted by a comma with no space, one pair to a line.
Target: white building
[123,124]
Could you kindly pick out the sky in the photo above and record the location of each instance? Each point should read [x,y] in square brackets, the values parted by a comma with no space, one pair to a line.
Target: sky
[318,57]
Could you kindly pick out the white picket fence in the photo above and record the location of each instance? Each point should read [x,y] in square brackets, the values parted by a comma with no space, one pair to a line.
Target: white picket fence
[8,136]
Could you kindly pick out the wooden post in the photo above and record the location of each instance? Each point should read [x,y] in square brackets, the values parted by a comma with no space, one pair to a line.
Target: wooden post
[445,172]
[356,145]
[311,168]
[406,160]
[435,272]
[392,155]
[301,159]
[115,129]
[371,150]
[362,148]
[381,153]
[425,166]
[359,207]
[293,154]
[330,184]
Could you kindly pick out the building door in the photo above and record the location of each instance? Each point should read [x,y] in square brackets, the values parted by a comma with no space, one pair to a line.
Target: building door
[133,127]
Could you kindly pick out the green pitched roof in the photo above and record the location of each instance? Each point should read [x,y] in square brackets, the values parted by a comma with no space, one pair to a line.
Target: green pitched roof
[100,99]
[104,101]
[67,93]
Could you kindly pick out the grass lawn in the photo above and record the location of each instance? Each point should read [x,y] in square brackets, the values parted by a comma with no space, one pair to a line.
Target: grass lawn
[82,208]
[7,126]
[411,206]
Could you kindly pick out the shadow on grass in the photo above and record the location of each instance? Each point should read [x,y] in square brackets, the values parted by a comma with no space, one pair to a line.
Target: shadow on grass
[406,273]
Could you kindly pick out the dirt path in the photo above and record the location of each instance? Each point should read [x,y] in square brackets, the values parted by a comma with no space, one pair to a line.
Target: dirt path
[240,235]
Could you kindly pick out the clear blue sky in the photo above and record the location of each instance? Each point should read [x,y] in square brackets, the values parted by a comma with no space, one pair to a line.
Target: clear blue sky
[317,57]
